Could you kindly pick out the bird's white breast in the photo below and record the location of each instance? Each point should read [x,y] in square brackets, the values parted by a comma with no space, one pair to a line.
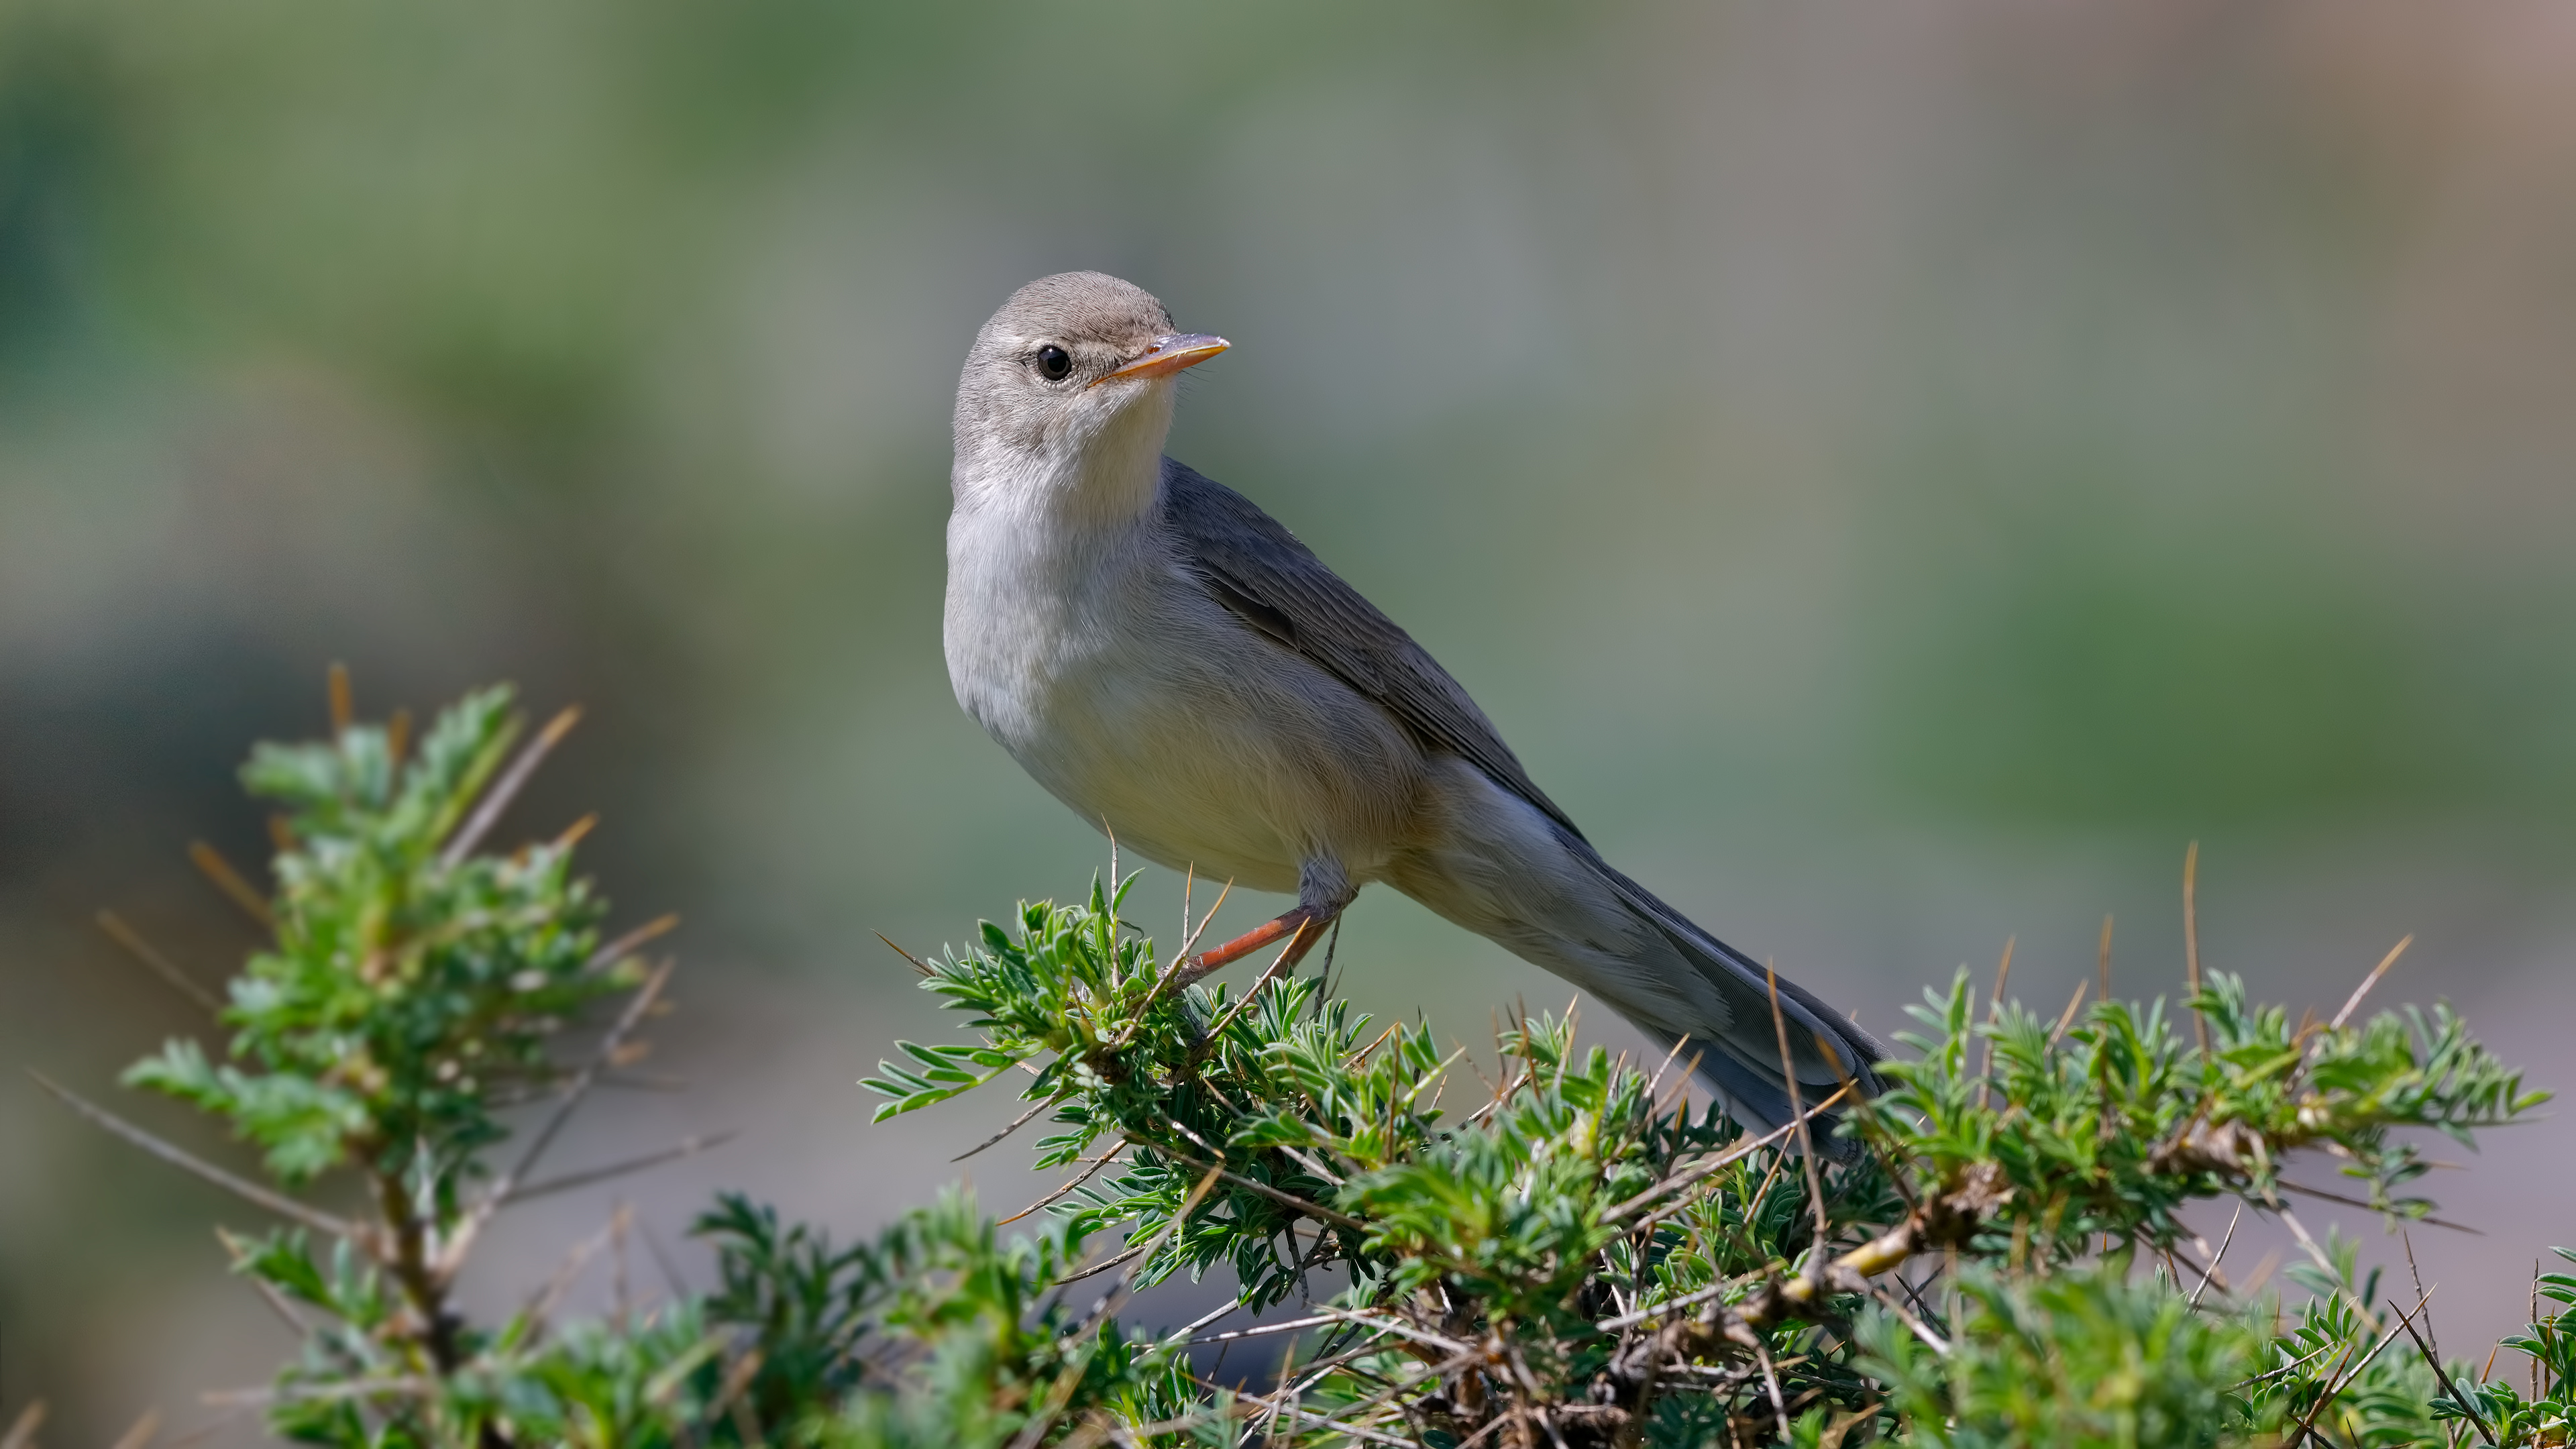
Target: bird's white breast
[1130,694]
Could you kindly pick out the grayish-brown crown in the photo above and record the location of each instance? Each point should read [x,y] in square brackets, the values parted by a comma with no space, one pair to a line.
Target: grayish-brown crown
[1006,400]
[1080,307]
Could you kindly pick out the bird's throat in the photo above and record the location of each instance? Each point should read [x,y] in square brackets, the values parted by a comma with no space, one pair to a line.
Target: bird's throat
[1102,474]
[1119,468]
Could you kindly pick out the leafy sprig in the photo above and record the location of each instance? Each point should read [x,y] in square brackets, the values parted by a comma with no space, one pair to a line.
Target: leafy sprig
[1566,1253]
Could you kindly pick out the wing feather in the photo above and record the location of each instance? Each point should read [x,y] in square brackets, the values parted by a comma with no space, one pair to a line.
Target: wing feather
[1250,562]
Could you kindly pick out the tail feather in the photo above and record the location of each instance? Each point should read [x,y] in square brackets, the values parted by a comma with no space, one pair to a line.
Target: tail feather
[1497,865]
[1742,1060]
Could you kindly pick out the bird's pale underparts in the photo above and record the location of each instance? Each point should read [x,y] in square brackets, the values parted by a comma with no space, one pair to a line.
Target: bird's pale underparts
[1169,355]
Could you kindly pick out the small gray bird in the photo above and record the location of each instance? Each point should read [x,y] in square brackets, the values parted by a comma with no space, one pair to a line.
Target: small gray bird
[1172,663]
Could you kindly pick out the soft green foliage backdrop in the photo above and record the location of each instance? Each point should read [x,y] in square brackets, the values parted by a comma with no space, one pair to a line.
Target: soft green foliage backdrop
[1895,476]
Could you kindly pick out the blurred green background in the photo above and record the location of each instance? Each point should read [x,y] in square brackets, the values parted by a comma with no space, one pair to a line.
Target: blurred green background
[1896,475]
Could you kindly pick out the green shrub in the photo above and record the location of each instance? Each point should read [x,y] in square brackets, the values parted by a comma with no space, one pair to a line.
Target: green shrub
[1560,1254]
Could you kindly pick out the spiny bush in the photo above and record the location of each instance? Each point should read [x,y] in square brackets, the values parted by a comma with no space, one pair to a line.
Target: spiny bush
[1564,1253]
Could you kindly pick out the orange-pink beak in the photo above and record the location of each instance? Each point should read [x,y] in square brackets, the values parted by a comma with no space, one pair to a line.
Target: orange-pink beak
[1169,355]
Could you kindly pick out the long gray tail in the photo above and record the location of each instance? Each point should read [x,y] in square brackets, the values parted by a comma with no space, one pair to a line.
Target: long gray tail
[1505,870]
[1738,1046]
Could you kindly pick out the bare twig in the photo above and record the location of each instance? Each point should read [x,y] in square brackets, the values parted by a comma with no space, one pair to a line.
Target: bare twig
[158,964]
[22,1432]
[2448,1386]
[672,1278]
[1806,1135]
[640,1082]
[1497,1422]
[1374,1436]
[898,950]
[1920,1329]
[1264,1330]
[2066,1018]
[2306,1423]
[211,863]
[2421,1295]
[1070,1376]
[2335,1197]
[1717,1164]
[2353,1002]
[2317,1255]
[1059,1194]
[2224,1239]
[243,1188]
[1183,1333]
[1179,966]
[1994,1007]
[1354,1059]
[1430,1374]
[620,1296]
[2293,1366]
[453,1257]
[575,833]
[1017,1123]
[1771,1381]
[624,946]
[1869,1137]
[2344,1379]
[142,1432]
[1657,1080]
[541,1304]
[1311,1209]
[344,710]
[406,1387]
[1397,1326]
[1306,1160]
[2262,1274]
[2103,964]
[487,811]
[1332,946]
[1656,1310]
[1671,1104]
[1190,934]
[267,1291]
[685,1147]
[2191,941]
[733,1402]
[1131,1253]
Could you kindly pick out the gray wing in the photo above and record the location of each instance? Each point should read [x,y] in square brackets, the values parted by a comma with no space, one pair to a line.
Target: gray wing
[1254,566]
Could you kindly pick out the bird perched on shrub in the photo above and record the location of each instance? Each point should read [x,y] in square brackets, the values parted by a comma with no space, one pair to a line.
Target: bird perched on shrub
[1172,663]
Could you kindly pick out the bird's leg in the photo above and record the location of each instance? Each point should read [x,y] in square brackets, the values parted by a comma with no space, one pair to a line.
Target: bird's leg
[1297,924]
[1323,892]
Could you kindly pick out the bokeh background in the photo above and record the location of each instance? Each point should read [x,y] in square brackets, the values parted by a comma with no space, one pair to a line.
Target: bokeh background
[1897,474]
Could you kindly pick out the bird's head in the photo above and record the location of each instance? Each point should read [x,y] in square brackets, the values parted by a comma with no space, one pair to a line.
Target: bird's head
[1070,385]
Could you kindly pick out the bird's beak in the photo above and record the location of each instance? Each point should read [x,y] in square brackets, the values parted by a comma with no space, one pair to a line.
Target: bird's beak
[1169,355]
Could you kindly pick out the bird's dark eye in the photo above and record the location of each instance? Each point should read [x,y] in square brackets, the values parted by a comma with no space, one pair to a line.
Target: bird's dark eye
[1054,363]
